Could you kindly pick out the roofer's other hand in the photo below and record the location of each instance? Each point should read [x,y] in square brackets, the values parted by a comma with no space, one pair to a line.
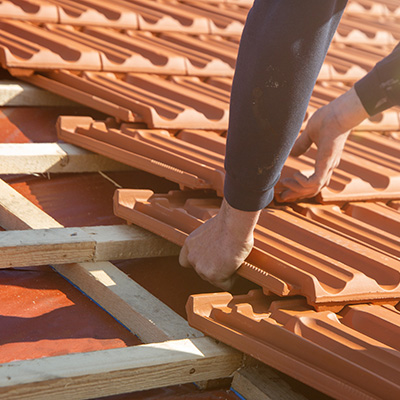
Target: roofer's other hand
[218,247]
[328,128]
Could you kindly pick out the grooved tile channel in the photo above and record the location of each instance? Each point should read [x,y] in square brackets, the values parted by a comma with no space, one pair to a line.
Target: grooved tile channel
[195,159]
[344,355]
[373,224]
[292,254]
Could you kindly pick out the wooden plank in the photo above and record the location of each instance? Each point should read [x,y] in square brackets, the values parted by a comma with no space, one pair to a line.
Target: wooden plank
[141,312]
[122,242]
[106,372]
[15,93]
[113,290]
[258,381]
[38,158]
[18,213]
[45,246]
[23,248]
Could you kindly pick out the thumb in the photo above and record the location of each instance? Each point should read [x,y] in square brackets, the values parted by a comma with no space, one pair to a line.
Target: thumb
[302,144]
[183,257]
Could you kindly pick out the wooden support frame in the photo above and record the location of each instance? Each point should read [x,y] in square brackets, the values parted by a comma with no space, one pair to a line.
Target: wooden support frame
[61,245]
[102,281]
[107,372]
[175,353]
[257,381]
[41,158]
[182,355]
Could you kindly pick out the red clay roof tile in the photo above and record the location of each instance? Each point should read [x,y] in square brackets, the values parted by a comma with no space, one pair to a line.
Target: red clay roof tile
[375,229]
[163,103]
[353,29]
[291,254]
[32,10]
[385,8]
[117,13]
[24,45]
[343,355]
[369,168]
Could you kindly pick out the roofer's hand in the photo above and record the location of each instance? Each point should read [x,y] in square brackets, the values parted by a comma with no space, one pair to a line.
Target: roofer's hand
[328,128]
[218,247]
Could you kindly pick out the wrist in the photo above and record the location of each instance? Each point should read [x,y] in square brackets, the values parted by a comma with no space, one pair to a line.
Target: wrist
[348,110]
[238,223]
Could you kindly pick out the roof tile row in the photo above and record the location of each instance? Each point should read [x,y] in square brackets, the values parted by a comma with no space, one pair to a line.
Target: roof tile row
[369,168]
[386,8]
[157,16]
[173,102]
[353,29]
[292,254]
[343,355]
[330,255]
[26,45]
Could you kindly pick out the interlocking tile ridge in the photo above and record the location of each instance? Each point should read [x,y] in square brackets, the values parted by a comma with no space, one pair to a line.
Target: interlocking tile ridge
[343,355]
[293,254]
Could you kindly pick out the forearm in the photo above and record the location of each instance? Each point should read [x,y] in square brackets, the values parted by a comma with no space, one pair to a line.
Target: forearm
[380,88]
[282,49]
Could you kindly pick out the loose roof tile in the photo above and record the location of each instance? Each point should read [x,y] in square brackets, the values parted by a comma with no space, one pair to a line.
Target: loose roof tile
[175,103]
[378,215]
[292,254]
[394,204]
[117,13]
[206,54]
[343,355]
[139,52]
[154,151]
[56,46]
[368,170]
[350,62]
[24,45]
[224,18]
[32,10]
[353,30]
[384,8]
[375,230]
[66,85]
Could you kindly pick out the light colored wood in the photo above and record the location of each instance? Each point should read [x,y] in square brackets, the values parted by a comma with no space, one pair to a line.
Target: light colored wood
[18,213]
[45,246]
[16,93]
[102,373]
[23,248]
[113,290]
[260,382]
[141,312]
[122,242]
[37,158]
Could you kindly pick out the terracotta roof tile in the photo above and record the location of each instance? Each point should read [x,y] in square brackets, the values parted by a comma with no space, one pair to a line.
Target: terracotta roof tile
[376,214]
[291,255]
[28,46]
[32,10]
[373,7]
[354,29]
[372,228]
[163,103]
[369,168]
[25,45]
[343,355]
[117,13]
